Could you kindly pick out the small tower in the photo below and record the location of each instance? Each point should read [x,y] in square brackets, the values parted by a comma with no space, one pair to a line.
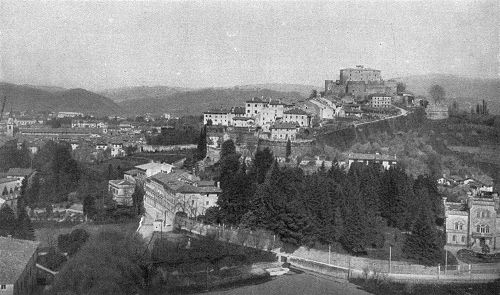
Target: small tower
[10,127]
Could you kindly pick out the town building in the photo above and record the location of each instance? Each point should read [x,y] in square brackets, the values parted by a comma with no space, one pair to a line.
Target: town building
[167,194]
[284,131]
[122,190]
[69,114]
[437,111]
[380,100]
[385,160]
[216,117]
[302,118]
[255,106]
[475,223]
[20,174]
[17,266]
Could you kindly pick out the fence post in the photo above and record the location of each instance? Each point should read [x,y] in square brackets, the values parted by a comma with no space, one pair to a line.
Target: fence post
[439,269]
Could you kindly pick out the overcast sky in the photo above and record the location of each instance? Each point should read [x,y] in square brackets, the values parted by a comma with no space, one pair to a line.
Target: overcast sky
[196,44]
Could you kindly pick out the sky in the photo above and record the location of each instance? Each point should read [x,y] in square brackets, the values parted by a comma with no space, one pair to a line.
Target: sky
[98,45]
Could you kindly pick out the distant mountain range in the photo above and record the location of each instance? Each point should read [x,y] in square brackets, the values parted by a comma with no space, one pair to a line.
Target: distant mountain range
[196,101]
[466,91]
[141,92]
[184,101]
[33,98]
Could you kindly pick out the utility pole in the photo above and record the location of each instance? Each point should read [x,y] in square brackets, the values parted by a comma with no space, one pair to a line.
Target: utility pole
[329,253]
[390,259]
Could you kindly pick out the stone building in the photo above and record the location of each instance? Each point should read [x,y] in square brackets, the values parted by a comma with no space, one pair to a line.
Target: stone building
[297,116]
[17,266]
[473,224]
[380,100]
[360,73]
[284,131]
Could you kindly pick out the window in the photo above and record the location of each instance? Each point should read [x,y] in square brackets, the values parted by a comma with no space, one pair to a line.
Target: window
[453,238]
[487,229]
[463,239]
[460,226]
[3,287]
[208,202]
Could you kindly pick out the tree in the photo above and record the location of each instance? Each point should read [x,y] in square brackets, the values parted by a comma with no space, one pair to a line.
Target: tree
[23,229]
[89,206]
[313,94]
[424,245]
[437,93]
[400,87]
[138,199]
[7,221]
[288,150]
[72,242]
[109,263]
[202,144]
[228,148]
[263,160]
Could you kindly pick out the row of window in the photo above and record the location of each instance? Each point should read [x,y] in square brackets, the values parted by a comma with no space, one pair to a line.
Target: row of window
[483,214]
[483,229]
[454,239]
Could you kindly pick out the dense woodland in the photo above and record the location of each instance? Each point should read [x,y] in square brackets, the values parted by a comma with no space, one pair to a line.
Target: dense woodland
[352,208]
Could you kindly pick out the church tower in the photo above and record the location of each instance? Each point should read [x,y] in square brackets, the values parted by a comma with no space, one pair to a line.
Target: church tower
[10,127]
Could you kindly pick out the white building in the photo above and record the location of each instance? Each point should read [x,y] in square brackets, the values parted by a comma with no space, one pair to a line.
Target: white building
[297,116]
[284,131]
[217,117]
[380,101]
[69,114]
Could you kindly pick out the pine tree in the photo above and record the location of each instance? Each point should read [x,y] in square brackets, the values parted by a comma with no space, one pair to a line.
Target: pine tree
[262,161]
[424,244]
[7,221]
[24,229]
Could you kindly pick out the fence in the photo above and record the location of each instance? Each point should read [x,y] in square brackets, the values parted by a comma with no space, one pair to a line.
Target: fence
[341,265]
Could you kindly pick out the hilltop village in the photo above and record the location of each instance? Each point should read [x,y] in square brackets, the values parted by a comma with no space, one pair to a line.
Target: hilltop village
[343,167]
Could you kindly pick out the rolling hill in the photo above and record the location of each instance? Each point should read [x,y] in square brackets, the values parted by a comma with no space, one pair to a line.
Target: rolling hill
[141,92]
[196,101]
[304,90]
[466,91]
[31,98]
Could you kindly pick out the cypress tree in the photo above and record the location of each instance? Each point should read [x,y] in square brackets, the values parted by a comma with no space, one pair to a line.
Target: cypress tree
[288,150]
[24,229]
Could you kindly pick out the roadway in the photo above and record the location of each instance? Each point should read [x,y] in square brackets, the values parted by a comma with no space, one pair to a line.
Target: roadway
[296,284]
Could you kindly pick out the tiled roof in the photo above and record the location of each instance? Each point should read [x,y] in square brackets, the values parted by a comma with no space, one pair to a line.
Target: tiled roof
[120,182]
[238,110]
[132,172]
[296,112]
[186,189]
[151,166]
[14,256]
[19,171]
[284,125]
[216,112]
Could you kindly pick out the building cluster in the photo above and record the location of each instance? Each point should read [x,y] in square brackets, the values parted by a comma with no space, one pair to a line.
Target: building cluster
[474,223]
[10,185]
[279,119]
[168,190]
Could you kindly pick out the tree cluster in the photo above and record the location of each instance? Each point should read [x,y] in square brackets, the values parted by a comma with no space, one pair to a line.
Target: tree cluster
[12,157]
[351,207]
[19,227]
[58,174]
[109,263]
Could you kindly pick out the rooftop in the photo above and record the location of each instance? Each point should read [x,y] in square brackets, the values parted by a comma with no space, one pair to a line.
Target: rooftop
[14,256]
[284,125]
[120,182]
[153,165]
[297,112]
[19,171]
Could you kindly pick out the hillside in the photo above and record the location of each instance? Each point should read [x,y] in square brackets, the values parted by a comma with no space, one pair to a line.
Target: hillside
[466,91]
[304,90]
[140,92]
[195,102]
[29,98]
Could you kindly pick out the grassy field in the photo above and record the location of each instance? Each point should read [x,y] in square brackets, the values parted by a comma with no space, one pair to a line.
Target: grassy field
[47,232]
